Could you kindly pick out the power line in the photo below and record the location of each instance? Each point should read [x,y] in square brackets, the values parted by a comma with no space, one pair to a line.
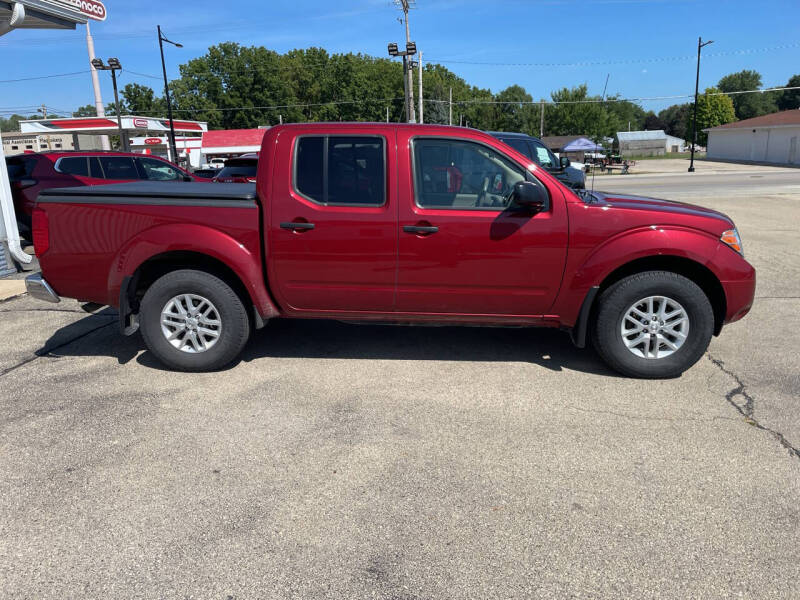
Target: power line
[44,77]
[593,63]
[463,102]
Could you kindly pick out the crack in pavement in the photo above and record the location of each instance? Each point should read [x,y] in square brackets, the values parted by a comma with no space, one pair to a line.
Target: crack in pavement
[647,418]
[748,408]
[44,351]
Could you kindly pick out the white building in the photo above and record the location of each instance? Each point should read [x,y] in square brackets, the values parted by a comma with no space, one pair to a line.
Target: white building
[771,138]
[655,142]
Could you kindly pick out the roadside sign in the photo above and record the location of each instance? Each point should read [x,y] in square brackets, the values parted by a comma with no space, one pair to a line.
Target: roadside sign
[94,9]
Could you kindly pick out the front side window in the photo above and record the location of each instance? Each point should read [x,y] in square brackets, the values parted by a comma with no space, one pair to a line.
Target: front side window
[74,165]
[157,170]
[341,170]
[458,174]
[118,167]
[544,157]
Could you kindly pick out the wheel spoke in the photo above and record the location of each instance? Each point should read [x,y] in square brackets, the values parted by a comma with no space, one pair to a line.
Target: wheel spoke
[191,323]
[654,327]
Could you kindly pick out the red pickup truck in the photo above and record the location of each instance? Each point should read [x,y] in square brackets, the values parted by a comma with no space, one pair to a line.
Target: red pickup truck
[420,224]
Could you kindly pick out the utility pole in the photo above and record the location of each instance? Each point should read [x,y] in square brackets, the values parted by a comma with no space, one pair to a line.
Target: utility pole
[98,100]
[412,117]
[450,117]
[541,120]
[44,116]
[387,114]
[700,45]
[421,120]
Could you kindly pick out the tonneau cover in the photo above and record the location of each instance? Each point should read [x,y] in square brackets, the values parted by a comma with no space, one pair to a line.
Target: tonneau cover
[194,190]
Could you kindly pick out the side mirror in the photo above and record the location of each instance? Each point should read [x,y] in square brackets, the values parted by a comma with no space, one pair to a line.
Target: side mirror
[531,196]
[565,162]
[188,178]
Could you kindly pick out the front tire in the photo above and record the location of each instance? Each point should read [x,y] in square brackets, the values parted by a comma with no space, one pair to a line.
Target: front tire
[653,325]
[193,321]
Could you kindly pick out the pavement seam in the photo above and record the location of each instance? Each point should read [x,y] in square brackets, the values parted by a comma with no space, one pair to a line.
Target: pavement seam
[748,408]
[44,351]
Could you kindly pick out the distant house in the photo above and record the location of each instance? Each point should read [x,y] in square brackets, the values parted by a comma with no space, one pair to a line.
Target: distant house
[773,138]
[649,143]
[573,146]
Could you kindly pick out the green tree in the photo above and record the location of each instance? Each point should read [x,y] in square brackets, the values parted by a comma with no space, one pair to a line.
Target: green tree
[573,116]
[12,123]
[624,115]
[652,122]
[140,99]
[789,99]
[514,111]
[675,118]
[713,109]
[85,111]
[747,106]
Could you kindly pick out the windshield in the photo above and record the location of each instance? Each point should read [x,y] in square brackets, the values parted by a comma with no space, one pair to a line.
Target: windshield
[544,157]
[239,169]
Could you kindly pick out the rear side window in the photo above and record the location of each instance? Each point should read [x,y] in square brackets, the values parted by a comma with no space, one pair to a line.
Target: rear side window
[118,167]
[73,165]
[519,145]
[341,170]
[156,170]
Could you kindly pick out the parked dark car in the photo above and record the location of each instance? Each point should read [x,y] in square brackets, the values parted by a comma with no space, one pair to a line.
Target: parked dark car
[239,170]
[535,149]
[206,173]
[30,174]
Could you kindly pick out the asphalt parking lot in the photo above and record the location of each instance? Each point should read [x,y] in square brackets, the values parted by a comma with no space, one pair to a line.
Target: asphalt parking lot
[389,462]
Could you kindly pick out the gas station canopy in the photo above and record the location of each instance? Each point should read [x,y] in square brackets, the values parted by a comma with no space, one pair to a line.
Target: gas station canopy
[96,125]
[48,14]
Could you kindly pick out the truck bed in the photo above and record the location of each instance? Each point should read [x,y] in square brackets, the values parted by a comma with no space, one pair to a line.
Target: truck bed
[181,193]
[100,234]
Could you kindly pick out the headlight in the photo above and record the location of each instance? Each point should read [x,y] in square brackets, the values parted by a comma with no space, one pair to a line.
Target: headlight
[731,238]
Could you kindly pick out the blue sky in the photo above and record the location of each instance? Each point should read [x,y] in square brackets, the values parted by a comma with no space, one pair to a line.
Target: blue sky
[632,35]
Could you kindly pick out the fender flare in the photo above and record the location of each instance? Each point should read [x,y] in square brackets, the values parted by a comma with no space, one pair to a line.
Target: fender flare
[687,243]
[200,239]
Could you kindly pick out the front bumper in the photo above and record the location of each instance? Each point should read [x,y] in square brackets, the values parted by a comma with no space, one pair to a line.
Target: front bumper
[38,288]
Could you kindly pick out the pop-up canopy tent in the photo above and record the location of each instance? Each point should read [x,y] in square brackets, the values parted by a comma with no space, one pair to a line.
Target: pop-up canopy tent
[582,144]
[33,14]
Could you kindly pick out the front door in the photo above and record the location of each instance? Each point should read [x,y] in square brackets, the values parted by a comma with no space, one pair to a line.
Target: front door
[463,248]
[333,223]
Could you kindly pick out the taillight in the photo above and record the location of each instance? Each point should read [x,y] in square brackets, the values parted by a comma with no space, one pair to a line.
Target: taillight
[41,231]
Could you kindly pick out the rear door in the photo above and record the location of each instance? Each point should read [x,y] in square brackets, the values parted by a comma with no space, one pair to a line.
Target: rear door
[333,222]
[463,248]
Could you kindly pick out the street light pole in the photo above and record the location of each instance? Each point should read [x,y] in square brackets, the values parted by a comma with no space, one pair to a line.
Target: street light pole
[411,50]
[161,40]
[123,138]
[114,66]
[700,45]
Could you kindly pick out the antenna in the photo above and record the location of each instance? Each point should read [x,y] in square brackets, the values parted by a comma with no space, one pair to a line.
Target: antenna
[605,87]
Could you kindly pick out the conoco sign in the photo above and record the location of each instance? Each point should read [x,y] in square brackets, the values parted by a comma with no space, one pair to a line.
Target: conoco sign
[140,123]
[94,9]
[152,141]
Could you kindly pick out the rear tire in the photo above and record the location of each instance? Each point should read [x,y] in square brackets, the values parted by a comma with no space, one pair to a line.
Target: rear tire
[193,321]
[661,342]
